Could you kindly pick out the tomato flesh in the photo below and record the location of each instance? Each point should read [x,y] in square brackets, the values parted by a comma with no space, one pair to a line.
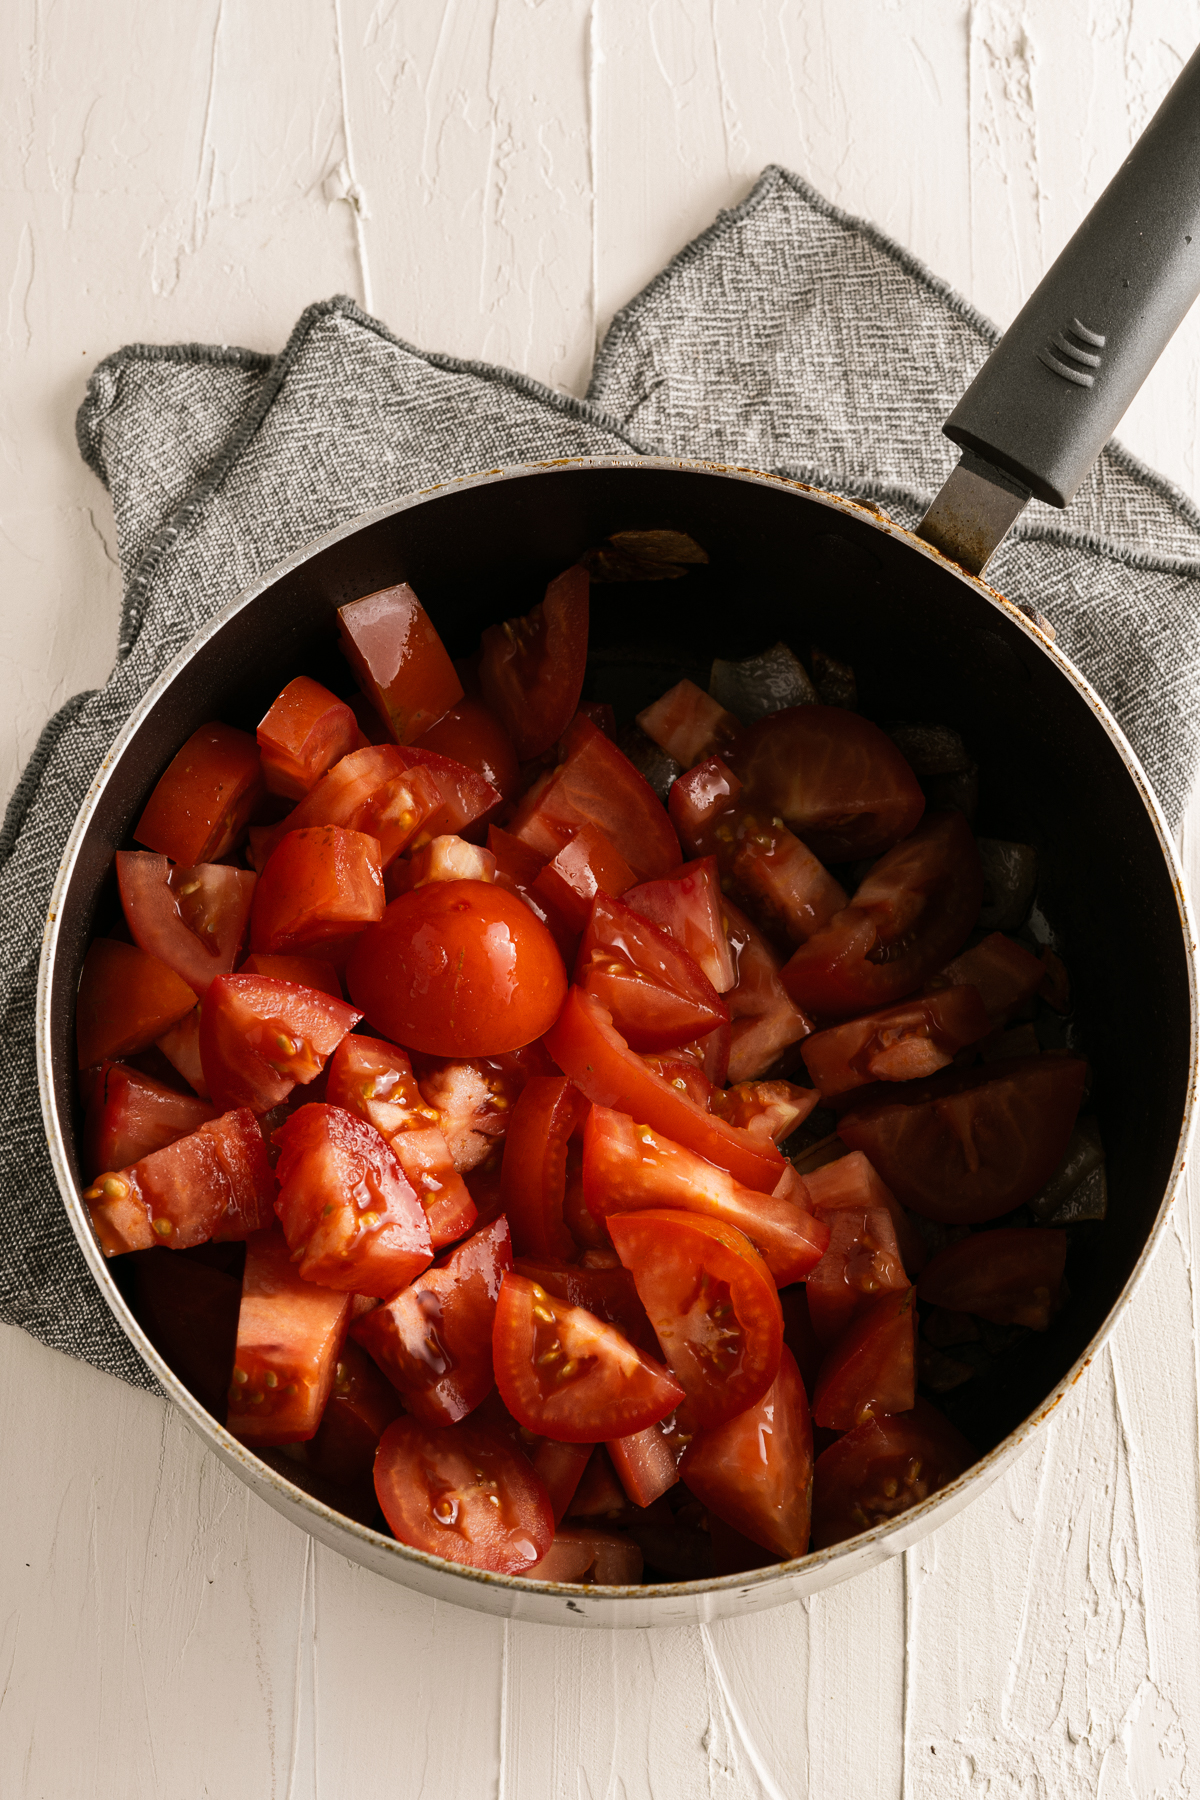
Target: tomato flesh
[475,737]
[687,904]
[445,858]
[214,1183]
[596,785]
[304,732]
[689,724]
[587,866]
[590,1558]
[871,1368]
[362,1404]
[201,803]
[756,1470]
[399,660]
[608,1291]
[462,1493]
[194,920]
[852,1181]
[1005,975]
[657,996]
[290,1334]
[317,891]
[881,1469]
[770,1109]
[130,1115]
[531,670]
[645,1464]
[765,1020]
[303,971]
[1008,1277]
[126,1001]
[902,1043]
[381,790]
[534,1172]
[861,1263]
[260,1037]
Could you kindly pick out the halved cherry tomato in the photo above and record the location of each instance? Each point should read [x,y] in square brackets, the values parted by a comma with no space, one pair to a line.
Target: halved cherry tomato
[645,1463]
[1005,975]
[861,1263]
[317,891]
[214,1183]
[126,1001]
[362,1404]
[304,971]
[459,968]
[587,866]
[290,1335]
[756,1470]
[305,731]
[531,669]
[657,996]
[474,736]
[194,920]
[130,1115]
[566,1374]
[202,801]
[595,784]
[712,1303]
[433,1340]
[534,1173]
[853,1181]
[765,1018]
[907,1042]
[837,780]
[384,791]
[399,660]
[1009,1277]
[590,1559]
[911,912]
[690,725]
[461,1492]
[687,904]
[871,1369]
[881,1469]
[971,1145]
[260,1037]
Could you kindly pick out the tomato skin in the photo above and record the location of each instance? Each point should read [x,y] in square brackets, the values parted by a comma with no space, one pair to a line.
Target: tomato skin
[645,1464]
[531,669]
[881,1469]
[861,1262]
[475,737]
[424,1476]
[290,1335]
[303,971]
[871,1368]
[126,1001]
[756,1471]
[130,1115]
[765,1018]
[459,968]
[204,797]
[971,1145]
[595,784]
[194,920]
[689,1269]
[260,1037]
[305,731]
[657,996]
[534,1171]
[1008,1277]
[587,866]
[399,660]
[834,778]
[687,905]
[316,892]
[908,1042]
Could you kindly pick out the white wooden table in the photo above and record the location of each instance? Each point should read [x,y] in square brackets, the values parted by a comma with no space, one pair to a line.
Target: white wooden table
[494,178]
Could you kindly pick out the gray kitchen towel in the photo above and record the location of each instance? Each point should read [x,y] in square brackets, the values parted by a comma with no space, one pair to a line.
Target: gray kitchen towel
[789,336]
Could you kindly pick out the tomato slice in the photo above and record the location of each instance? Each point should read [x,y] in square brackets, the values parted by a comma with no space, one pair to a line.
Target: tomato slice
[712,1303]
[971,1145]
[690,725]
[202,801]
[756,1470]
[871,1369]
[629,1168]
[769,1109]
[399,661]
[1009,1277]
[462,1493]
[316,892]
[433,1340]
[911,912]
[590,1559]
[861,1262]
[349,1214]
[130,1115]
[835,779]
[852,1181]
[595,784]
[687,904]
[585,1046]
[587,866]
[657,996]
[765,1019]
[305,731]
[531,669]
[607,1291]
[881,1469]
[303,971]
[381,790]
[1005,975]
[194,920]
[902,1043]
[645,1463]
[260,1037]
[534,1172]
[126,1001]
[362,1404]
[290,1335]
[472,735]
[214,1183]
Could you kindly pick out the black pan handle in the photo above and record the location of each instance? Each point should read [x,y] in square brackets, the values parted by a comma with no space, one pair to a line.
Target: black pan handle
[1052,392]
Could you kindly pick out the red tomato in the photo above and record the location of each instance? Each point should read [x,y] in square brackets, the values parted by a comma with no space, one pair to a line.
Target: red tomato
[770,1109]
[902,1043]
[713,1306]
[629,1168]
[462,1493]
[399,660]
[126,1000]
[306,731]
[645,1463]
[971,1145]
[862,1262]
[837,780]
[201,803]
[130,1115]
[259,1038]
[290,1335]
[1008,1277]
[534,1172]
[595,784]
[214,1183]
[765,1018]
[607,1291]
[433,1340]
[181,1047]
[599,1494]
[194,920]
[474,1100]
[517,868]
[590,1558]
[871,1369]
[881,1469]
[361,1405]
[459,968]
[381,790]
[303,971]
[687,904]
[474,736]
[657,996]
[702,801]
[587,866]
[756,1470]
[690,725]
[775,875]
[349,1214]
[441,859]
[566,1374]
[317,891]
[851,1181]
[911,912]
[531,669]
[560,1469]
[586,1047]
[1005,975]
[428,1166]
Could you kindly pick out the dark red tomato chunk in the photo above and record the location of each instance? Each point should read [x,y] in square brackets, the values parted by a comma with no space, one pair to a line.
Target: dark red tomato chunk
[756,1470]
[126,1001]
[871,1369]
[1009,1277]
[462,1493]
[595,784]
[1005,975]
[590,1559]
[290,1335]
[531,669]
[202,802]
[181,1047]
[560,1468]
[433,1340]
[776,876]
[969,1146]
[646,1463]
[599,1494]
[459,968]
[306,731]
[700,802]
[214,1183]
[765,1018]
[194,920]
[852,1181]
[380,790]
[834,778]
[533,1177]
[687,904]
[911,912]
[656,994]
[351,1218]
[587,866]
[302,971]
[690,725]
[399,660]
[130,1115]
[861,1263]
[316,892]
[475,737]
[362,1404]
[770,1109]
[881,1469]
[259,1038]
[902,1043]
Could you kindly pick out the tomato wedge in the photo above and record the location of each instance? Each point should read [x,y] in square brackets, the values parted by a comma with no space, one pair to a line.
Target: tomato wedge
[384,791]
[362,1404]
[214,1183]
[852,1181]
[713,1306]
[646,1463]
[595,784]
[566,1374]
[130,1115]
[473,736]
[305,731]
[317,891]
[290,1335]
[201,803]
[607,1291]
[1009,1277]
[193,919]
[861,1263]
[399,661]
[531,669]
[657,996]
[587,866]
[881,1469]
[871,1369]
[533,1175]
[126,1001]
[902,1043]
[590,1558]
[260,1037]
[1005,975]
[462,1493]
[765,1018]
[687,904]
[756,1470]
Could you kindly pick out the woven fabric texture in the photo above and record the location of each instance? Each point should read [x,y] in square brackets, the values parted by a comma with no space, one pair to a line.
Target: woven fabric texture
[789,336]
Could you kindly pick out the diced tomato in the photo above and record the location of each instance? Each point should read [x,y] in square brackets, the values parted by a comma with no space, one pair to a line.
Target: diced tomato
[645,1464]
[194,920]
[531,669]
[629,1168]
[701,802]
[362,1404]
[599,1494]
[911,912]
[462,1493]
[852,1181]
[590,1559]
[433,1340]
[861,1263]
[130,1115]
[375,1080]
[468,801]
[304,971]
[181,1047]
[1005,975]
[475,737]
[317,891]
[349,1214]
[587,866]
[676,1068]
[871,1369]
[190,1314]
[657,996]
[126,1001]
[441,859]
[595,784]
[399,660]
[756,1470]
[609,1292]
[881,1469]
[1009,1277]
[765,1018]
[776,876]
[902,1043]
[214,1183]
[290,1335]
[260,1037]
[305,731]
[560,1468]
[474,1100]
[712,1303]
[971,1145]
[424,1156]
[534,1172]
[689,724]
[687,904]
[381,791]
[202,801]
[770,1109]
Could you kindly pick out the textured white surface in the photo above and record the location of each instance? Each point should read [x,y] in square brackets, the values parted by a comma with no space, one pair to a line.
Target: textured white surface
[496,177]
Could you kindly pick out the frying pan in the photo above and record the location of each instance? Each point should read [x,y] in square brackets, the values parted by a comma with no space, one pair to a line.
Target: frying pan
[928,639]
